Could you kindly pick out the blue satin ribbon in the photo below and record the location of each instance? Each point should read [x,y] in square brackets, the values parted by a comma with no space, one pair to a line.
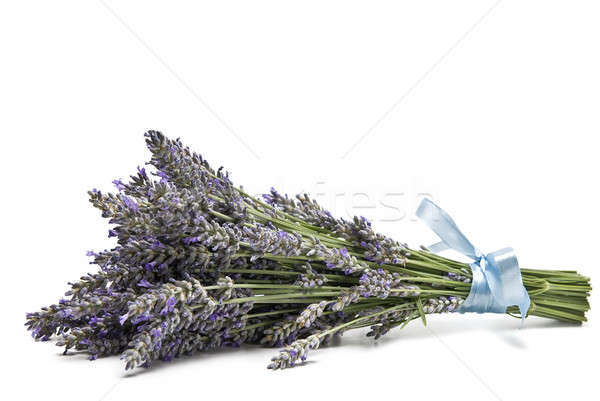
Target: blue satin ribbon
[497,282]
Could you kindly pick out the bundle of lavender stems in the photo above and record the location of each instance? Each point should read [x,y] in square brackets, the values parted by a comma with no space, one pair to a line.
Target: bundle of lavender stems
[201,264]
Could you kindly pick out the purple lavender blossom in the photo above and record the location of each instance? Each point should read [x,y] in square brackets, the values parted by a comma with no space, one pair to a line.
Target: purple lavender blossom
[119,185]
[130,203]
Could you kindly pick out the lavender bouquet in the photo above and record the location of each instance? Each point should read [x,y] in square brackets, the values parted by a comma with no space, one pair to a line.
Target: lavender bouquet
[201,264]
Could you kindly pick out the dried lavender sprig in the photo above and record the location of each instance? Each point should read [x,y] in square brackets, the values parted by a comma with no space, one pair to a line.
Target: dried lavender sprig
[298,350]
[310,278]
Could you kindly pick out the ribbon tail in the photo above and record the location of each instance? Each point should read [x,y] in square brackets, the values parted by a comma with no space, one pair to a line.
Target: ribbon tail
[503,275]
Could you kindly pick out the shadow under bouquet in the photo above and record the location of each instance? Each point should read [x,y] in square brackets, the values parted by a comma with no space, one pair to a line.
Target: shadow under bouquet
[201,264]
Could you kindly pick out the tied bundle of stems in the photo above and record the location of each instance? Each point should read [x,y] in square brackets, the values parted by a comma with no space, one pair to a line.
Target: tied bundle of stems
[201,264]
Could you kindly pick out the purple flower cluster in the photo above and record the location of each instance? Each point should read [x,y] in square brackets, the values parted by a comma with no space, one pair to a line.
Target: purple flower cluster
[310,278]
[442,304]
[374,246]
[294,353]
[148,300]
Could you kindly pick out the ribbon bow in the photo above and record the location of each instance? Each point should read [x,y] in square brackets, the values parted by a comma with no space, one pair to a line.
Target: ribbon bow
[497,282]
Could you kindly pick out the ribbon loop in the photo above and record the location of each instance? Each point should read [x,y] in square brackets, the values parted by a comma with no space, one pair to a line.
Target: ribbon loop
[497,282]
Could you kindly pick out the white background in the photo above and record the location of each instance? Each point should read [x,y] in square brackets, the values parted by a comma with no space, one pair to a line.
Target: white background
[489,107]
